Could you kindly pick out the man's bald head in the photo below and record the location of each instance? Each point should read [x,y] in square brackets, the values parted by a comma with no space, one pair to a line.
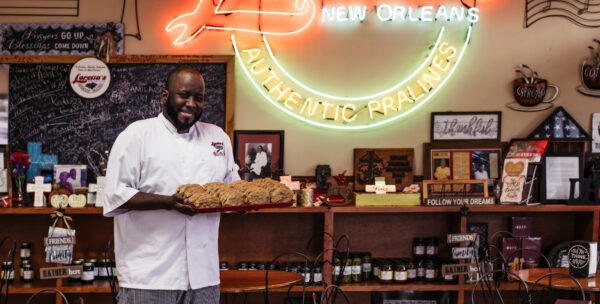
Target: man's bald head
[181,69]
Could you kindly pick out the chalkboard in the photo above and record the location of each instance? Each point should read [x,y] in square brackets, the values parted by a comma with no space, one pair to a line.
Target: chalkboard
[44,108]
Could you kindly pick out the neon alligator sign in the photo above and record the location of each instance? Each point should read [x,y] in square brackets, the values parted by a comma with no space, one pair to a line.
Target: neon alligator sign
[453,25]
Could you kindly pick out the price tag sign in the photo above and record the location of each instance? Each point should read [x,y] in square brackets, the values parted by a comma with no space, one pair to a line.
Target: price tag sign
[458,238]
[60,272]
[459,253]
[59,245]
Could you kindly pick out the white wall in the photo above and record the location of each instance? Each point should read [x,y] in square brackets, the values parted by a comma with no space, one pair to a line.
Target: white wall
[554,47]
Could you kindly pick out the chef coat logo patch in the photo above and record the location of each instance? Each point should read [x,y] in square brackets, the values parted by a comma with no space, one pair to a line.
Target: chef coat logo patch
[218,149]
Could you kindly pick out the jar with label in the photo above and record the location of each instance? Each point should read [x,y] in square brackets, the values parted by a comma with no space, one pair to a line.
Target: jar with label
[305,271]
[431,271]
[318,274]
[94,263]
[336,270]
[420,270]
[411,270]
[400,272]
[431,247]
[103,269]
[76,278]
[261,266]
[25,250]
[418,247]
[287,267]
[8,271]
[347,271]
[28,273]
[376,263]
[224,265]
[252,266]
[366,266]
[386,272]
[295,267]
[243,266]
[88,273]
[356,268]
[23,263]
[273,266]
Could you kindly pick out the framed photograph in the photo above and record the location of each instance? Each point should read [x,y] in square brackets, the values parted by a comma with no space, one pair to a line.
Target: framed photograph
[453,126]
[556,172]
[258,153]
[5,178]
[596,133]
[70,176]
[530,149]
[463,160]
[396,165]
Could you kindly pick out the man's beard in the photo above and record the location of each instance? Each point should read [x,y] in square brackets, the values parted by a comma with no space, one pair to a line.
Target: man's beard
[181,125]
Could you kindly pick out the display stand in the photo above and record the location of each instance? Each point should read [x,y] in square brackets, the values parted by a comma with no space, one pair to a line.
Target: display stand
[529,182]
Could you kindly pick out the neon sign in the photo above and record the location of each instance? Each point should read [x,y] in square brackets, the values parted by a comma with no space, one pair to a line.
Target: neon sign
[304,8]
[387,13]
[326,109]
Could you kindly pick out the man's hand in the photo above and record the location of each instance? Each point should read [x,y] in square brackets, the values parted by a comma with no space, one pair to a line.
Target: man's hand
[180,204]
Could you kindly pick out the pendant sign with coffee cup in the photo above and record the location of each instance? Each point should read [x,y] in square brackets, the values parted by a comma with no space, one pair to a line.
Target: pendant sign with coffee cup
[590,72]
[530,91]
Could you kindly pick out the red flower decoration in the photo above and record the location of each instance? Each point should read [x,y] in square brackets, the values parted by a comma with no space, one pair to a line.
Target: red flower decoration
[21,159]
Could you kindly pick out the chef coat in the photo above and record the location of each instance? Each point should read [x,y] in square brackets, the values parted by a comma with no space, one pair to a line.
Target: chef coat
[165,249]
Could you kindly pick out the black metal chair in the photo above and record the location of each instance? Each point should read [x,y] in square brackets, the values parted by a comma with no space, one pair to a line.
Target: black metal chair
[62,295]
[10,256]
[492,290]
[333,292]
[549,276]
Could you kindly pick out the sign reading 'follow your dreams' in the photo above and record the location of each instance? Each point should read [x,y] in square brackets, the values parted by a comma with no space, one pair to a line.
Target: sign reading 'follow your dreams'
[437,36]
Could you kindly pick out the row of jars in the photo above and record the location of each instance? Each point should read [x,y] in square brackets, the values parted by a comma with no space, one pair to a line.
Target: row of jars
[357,267]
[403,270]
[93,269]
[26,271]
[425,248]
[311,276]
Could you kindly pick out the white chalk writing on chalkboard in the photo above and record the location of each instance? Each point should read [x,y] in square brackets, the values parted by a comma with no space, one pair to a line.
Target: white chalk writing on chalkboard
[43,108]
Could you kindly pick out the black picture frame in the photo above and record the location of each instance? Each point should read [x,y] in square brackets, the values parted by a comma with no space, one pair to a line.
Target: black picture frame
[245,149]
[563,187]
[465,122]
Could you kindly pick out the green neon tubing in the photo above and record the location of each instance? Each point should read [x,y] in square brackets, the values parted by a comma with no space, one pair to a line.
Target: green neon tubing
[333,97]
[362,127]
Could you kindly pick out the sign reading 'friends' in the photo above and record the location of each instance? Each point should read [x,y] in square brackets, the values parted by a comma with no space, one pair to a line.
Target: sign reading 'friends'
[445,31]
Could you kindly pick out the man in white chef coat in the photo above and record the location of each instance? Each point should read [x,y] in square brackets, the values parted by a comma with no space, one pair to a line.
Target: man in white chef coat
[165,253]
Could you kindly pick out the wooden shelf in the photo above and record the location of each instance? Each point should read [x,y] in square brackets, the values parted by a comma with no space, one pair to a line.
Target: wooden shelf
[301,223]
[99,286]
[33,287]
[47,210]
[416,286]
[472,209]
[354,209]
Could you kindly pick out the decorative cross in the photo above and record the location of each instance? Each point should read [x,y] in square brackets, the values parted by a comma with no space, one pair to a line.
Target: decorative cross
[98,187]
[287,180]
[38,160]
[39,188]
[380,187]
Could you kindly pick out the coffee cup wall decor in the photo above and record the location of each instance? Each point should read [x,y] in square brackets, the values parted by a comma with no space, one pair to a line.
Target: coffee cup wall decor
[531,92]
[590,72]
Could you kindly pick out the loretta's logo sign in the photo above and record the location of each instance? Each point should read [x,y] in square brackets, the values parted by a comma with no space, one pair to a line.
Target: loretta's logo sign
[444,31]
